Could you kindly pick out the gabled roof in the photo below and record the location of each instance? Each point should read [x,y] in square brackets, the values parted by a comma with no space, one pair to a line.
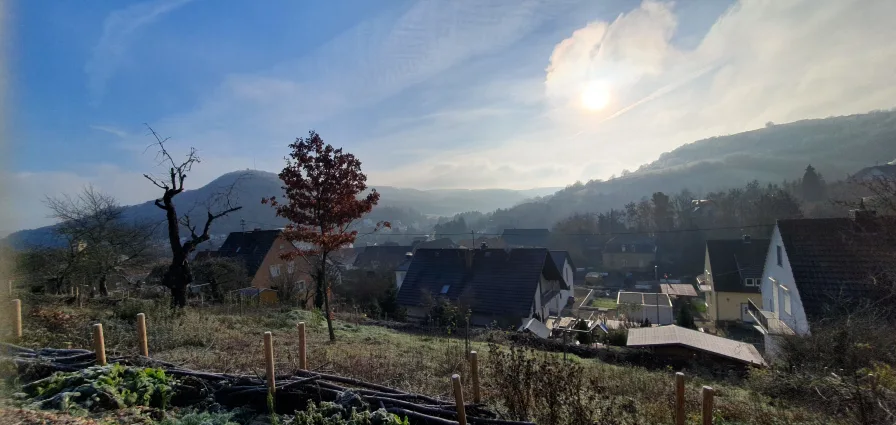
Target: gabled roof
[498,282]
[733,260]
[676,335]
[382,256]
[345,256]
[560,257]
[441,243]
[834,259]
[250,247]
[532,238]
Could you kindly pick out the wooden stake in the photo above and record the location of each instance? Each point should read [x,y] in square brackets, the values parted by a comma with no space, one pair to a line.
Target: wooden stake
[141,335]
[269,360]
[459,399]
[17,318]
[99,345]
[474,371]
[707,405]
[302,360]
[679,398]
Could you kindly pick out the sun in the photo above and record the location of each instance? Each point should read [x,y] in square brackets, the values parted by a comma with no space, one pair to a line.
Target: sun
[596,96]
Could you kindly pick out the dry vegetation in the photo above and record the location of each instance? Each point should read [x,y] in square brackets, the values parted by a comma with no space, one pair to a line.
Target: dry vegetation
[517,381]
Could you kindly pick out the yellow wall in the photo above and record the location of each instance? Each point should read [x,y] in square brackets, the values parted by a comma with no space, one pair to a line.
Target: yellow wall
[263,278]
[727,304]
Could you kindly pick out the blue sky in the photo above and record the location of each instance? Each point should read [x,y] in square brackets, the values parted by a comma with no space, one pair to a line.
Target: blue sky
[429,94]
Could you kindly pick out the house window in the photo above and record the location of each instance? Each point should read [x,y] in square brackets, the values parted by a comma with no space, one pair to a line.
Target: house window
[290,267]
[275,270]
[780,253]
[786,297]
[624,262]
[445,289]
[300,285]
[750,282]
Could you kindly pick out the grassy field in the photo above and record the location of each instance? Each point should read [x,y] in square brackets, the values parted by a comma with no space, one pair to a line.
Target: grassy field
[598,302]
[223,339]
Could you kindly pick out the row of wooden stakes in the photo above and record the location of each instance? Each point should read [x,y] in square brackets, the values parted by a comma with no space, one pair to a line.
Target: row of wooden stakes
[143,346]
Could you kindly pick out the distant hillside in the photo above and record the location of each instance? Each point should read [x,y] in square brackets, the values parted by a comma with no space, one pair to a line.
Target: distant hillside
[406,205]
[835,146]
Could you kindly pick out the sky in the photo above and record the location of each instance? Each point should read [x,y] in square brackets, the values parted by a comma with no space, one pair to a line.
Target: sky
[428,94]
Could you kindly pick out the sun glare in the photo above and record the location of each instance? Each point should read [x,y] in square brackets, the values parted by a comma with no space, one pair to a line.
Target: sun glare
[595,96]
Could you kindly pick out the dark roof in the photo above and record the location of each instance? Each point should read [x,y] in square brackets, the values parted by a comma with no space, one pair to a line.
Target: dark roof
[532,238]
[834,259]
[498,282]
[382,256]
[441,243]
[558,257]
[250,247]
[346,256]
[633,243]
[733,260]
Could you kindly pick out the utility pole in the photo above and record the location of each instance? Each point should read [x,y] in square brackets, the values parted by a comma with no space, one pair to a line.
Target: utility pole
[243,224]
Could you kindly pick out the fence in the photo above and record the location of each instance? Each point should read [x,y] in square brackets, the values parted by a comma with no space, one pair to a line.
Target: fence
[473,359]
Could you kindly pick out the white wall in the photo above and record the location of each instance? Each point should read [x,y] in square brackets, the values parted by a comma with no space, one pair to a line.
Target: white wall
[568,276]
[775,276]
[399,278]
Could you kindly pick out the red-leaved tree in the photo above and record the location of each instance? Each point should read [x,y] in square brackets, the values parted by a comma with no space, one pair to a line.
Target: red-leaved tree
[323,187]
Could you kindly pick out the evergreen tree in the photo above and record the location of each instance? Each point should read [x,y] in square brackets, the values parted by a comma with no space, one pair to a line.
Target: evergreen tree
[812,187]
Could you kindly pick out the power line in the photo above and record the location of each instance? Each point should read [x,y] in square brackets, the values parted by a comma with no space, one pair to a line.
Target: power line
[646,232]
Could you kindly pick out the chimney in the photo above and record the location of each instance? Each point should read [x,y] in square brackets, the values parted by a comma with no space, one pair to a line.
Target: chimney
[468,259]
[747,238]
[483,246]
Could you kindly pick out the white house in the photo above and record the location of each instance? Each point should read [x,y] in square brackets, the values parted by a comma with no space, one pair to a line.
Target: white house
[567,269]
[814,269]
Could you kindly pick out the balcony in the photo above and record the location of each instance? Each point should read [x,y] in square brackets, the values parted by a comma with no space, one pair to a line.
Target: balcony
[767,322]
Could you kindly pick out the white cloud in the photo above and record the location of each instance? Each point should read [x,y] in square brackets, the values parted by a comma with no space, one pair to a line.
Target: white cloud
[119,29]
[111,130]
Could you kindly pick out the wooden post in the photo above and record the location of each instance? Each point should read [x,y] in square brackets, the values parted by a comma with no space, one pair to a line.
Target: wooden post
[679,398]
[459,399]
[302,361]
[141,335]
[707,405]
[474,372]
[99,345]
[17,318]
[269,360]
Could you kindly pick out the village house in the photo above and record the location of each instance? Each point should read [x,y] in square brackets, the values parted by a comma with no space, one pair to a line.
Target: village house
[260,250]
[496,285]
[564,263]
[817,269]
[629,253]
[733,272]
[381,257]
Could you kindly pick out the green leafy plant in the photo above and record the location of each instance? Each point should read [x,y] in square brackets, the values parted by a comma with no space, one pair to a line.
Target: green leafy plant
[327,413]
[102,387]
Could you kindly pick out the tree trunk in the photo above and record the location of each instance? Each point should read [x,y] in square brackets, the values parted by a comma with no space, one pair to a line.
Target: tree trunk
[323,278]
[177,278]
[104,290]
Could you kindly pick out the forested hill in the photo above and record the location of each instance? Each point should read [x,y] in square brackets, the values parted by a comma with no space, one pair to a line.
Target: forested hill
[835,146]
[409,206]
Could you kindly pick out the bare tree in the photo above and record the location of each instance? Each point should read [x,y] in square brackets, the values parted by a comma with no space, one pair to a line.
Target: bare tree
[178,276]
[100,239]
